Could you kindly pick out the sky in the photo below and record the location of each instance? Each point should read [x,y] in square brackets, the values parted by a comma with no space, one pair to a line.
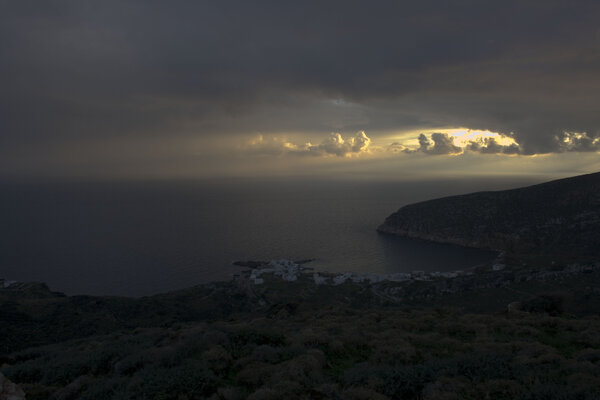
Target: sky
[348,89]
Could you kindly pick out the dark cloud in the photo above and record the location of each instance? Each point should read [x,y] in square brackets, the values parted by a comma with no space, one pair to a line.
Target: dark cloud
[442,144]
[490,145]
[573,141]
[396,147]
[334,144]
[73,70]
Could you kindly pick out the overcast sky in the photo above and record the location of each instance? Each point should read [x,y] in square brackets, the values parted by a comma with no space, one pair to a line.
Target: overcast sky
[253,88]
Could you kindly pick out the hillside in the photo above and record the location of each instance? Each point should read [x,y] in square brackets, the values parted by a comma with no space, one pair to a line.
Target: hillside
[558,219]
[440,338]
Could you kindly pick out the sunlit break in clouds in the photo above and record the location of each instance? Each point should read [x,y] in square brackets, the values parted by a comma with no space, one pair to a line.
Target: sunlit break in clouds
[443,142]
[140,89]
[459,141]
[334,144]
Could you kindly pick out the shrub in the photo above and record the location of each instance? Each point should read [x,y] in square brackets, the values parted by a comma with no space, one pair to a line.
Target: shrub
[192,379]
[265,353]
[408,382]
[481,366]
[591,355]
[445,388]
[108,388]
[130,364]
[216,337]
[255,374]
[499,389]
[305,369]
[217,358]
[231,393]
[362,393]
[266,394]
[550,303]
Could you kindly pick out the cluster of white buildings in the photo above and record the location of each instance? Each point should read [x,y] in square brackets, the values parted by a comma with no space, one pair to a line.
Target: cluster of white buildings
[285,269]
[290,271]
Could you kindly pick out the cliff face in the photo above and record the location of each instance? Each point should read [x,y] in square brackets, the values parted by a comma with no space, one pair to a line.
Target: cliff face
[559,218]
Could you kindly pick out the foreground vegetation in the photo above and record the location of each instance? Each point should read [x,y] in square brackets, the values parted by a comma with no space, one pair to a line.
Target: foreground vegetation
[302,341]
[330,353]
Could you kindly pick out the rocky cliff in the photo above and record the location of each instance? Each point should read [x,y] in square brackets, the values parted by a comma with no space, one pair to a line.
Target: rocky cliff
[560,219]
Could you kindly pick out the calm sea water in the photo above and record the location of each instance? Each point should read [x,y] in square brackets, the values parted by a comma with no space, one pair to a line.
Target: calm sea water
[144,238]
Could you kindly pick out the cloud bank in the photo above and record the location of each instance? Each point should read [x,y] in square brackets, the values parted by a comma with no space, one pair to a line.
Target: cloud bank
[435,143]
[441,143]
[581,142]
[334,145]
[162,75]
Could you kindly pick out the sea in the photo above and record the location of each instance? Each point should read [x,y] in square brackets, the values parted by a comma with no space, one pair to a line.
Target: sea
[138,238]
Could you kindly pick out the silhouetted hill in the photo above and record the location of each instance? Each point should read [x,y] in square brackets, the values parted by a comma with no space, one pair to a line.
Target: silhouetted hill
[559,219]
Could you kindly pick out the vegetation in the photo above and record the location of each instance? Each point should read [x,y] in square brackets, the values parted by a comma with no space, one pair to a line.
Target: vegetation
[440,339]
[333,353]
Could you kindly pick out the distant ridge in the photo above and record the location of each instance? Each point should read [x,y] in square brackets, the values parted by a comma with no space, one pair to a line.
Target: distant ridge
[559,219]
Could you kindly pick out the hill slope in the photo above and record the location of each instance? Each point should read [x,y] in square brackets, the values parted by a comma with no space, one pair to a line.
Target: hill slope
[560,219]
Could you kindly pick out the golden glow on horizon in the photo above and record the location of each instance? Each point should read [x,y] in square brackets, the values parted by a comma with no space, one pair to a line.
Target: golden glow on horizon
[461,136]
